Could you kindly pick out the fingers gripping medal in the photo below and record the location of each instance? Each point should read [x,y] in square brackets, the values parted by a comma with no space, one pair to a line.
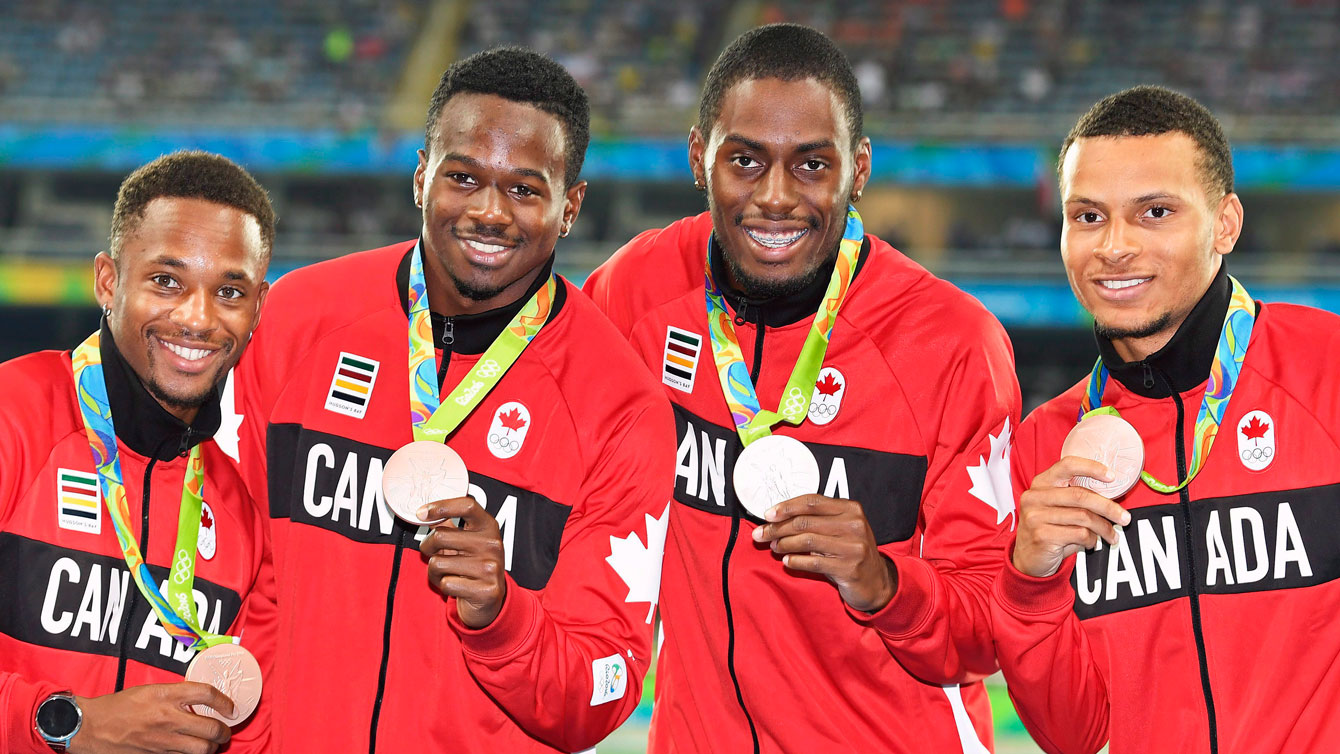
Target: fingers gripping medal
[1113,442]
[774,469]
[233,671]
[422,472]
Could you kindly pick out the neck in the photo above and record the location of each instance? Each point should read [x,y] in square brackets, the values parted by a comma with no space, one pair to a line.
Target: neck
[445,298]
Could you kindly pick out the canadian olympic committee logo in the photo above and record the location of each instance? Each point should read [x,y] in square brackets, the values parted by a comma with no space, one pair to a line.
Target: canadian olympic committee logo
[507,432]
[827,398]
[1256,440]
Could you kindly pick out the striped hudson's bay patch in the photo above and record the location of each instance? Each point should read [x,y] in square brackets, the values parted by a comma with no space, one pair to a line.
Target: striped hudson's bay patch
[682,349]
[351,385]
[78,501]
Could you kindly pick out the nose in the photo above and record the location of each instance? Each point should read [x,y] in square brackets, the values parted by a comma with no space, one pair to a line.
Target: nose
[194,312]
[777,194]
[1118,243]
[488,208]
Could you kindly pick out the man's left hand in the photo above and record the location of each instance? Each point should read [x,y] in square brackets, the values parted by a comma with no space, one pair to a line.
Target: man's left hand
[466,561]
[831,537]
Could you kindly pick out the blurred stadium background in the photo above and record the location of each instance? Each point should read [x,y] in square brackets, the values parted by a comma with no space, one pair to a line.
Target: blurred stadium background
[966,101]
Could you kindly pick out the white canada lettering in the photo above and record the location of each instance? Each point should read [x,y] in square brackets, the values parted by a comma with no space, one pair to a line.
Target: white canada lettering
[102,599]
[66,569]
[317,508]
[837,480]
[1159,553]
[1218,559]
[1241,519]
[686,464]
[1289,545]
[1121,569]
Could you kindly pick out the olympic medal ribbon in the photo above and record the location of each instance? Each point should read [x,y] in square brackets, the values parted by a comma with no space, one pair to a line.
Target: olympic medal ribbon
[751,421]
[433,418]
[1225,370]
[176,610]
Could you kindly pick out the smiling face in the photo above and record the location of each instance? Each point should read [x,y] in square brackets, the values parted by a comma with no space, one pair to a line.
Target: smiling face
[494,202]
[1141,239]
[779,170]
[185,292]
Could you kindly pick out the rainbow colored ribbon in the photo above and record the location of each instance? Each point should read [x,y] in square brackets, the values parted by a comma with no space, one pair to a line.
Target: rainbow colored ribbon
[750,420]
[434,419]
[176,611]
[1224,372]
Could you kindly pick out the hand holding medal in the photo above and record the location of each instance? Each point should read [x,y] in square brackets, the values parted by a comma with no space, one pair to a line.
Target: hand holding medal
[776,477]
[425,483]
[222,662]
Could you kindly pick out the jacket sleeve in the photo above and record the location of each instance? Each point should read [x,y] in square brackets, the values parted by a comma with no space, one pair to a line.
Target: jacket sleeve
[257,624]
[938,624]
[19,698]
[567,662]
[599,286]
[1058,689]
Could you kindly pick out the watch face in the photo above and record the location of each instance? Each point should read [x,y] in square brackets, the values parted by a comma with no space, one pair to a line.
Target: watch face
[57,718]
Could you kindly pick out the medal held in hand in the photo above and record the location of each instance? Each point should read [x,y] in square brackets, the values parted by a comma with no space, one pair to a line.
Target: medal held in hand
[1229,354]
[777,468]
[773,469]
[417,474]
[1104,437]
[423,472]
[233,671]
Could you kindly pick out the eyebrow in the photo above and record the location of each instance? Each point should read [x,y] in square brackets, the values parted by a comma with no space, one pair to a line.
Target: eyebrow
[758,146]
[811,146]
[477,165]
[1136,201]
[750,143]
[177,264]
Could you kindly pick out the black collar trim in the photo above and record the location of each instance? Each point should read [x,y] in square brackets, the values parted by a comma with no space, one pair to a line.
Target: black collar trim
[783,311]
[141,421]
[1185,359]
[474,333]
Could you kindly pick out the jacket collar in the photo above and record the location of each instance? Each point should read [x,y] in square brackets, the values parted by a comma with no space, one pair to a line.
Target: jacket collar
[474,333]
[782,311]
[142,423]
[1186,358]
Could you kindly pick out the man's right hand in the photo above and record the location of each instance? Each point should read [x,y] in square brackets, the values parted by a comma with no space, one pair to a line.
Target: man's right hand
[155,718]
[1057,520]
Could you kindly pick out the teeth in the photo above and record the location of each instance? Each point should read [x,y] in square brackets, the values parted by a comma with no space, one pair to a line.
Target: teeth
[776,240]
[190,354]
[1116,285]
[485,248]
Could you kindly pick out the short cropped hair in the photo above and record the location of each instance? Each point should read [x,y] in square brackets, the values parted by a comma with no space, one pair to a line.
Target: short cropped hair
[1152,111]
[789,52]
[190,174]
[525,76]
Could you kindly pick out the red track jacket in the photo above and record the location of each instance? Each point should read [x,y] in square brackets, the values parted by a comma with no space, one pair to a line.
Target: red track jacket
[570,452]
[911,416]
[1211,627]
[72,617]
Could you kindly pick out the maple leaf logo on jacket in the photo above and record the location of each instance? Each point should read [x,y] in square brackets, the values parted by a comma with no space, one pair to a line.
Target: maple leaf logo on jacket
[1255,429]
[829,390]
[639,566]
[991,476]
[208,540]
[1257,435]
[511,424]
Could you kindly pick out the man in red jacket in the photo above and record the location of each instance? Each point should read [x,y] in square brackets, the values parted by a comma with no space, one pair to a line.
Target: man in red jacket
[86,662]
[855,619]
[1203,623]
[525,626]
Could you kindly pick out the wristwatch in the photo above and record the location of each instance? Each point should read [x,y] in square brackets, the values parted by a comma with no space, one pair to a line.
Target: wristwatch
[58,720]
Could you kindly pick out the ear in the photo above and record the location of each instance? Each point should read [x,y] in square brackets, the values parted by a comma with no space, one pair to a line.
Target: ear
[697,156]
[104,279]
[419,173]
[1227,224]
[863,162]
[572,203]
[261,293]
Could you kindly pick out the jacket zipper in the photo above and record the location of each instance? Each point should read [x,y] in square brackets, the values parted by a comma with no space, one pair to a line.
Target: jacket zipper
[730,548]
[448,338]
[1184,496]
